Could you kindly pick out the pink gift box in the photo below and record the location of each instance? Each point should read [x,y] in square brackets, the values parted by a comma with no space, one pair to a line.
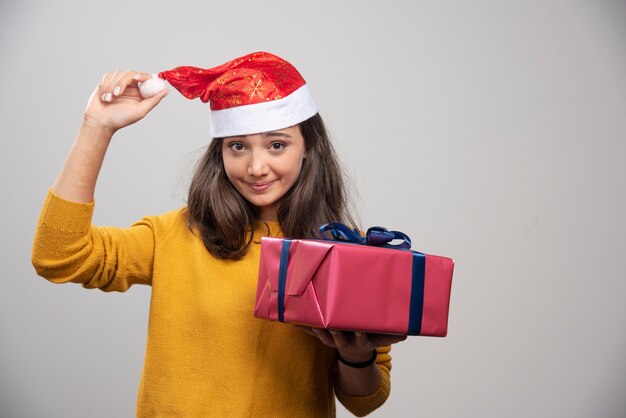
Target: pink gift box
[331,284]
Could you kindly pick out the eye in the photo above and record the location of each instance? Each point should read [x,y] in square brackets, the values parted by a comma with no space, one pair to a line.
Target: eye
[277,146]
[236,146]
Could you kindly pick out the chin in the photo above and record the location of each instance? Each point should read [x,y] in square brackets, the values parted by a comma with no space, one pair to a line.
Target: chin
[261,203]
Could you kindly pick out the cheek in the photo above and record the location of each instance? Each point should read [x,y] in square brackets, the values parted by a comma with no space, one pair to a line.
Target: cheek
[231,168]
[293,168]
[229,176]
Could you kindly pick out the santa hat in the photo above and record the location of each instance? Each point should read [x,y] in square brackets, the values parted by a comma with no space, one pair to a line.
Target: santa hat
[258,92]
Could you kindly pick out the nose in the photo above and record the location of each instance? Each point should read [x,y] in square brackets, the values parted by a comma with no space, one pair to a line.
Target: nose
[257,166]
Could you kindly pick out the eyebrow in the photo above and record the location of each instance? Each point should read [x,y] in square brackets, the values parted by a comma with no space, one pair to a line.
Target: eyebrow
[277,134]
[264,135]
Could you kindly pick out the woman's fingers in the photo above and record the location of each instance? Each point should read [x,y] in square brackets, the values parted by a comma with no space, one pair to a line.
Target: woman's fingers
[106,91]
[103,86]
[380,340]
[115,84]
[141,77]
[128,78]
[109,81]
[132,79]
[323,334]
[361,339]
[353,341]
[340,338]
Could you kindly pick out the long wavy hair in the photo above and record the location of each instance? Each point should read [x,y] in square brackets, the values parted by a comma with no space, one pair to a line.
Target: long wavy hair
[226,221]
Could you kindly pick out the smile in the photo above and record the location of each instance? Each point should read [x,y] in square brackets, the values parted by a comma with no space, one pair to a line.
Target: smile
[260,187]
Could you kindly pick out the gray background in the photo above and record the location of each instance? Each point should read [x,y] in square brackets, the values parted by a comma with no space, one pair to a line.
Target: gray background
[490,132]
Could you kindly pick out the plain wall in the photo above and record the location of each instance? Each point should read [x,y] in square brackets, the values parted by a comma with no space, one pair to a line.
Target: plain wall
[492,132]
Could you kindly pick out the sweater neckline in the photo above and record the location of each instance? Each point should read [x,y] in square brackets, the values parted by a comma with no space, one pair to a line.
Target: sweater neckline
[269,229]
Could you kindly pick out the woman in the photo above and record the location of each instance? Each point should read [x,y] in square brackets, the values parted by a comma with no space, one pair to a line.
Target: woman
[269,171]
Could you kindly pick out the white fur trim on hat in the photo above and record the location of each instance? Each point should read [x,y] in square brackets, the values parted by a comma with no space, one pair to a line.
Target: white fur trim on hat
[264,117]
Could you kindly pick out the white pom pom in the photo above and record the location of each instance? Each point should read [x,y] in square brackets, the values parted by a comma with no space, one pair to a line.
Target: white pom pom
[151,87]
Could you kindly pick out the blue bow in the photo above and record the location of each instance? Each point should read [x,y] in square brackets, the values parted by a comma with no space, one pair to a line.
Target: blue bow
[375,236]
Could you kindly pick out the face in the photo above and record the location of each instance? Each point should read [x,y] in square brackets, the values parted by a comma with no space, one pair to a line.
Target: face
[263,167]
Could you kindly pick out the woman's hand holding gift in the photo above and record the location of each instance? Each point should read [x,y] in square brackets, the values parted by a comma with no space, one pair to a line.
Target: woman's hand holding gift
[353,346]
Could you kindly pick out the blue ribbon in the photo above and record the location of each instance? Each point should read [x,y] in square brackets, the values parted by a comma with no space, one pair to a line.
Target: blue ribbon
[375,236]
[282,278]
[416,303]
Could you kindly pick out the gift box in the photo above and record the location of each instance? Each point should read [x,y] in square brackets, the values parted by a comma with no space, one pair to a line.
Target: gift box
[350,282]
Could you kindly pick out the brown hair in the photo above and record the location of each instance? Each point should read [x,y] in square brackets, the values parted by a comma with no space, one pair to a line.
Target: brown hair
[225,220]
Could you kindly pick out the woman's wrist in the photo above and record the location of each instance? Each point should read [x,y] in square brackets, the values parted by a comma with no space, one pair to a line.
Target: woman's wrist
[95,128]
[360,360]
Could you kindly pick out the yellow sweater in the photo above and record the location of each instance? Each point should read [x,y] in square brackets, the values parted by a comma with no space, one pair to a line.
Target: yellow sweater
[206,356]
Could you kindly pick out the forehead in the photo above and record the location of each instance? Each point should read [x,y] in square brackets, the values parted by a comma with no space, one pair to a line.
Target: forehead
[290,132]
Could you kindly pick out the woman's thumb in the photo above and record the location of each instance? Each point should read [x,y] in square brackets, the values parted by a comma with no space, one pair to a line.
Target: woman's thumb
[151,102]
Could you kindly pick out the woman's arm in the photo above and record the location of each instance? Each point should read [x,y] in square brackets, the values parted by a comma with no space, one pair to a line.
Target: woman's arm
[357,381]
[355,347]
[66,247]
[77,180]
[360,389]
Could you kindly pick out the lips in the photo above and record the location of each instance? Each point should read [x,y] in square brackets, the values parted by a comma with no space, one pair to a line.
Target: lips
[260,187]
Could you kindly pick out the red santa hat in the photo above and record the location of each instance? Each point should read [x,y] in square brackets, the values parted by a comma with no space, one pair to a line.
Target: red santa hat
[258,92]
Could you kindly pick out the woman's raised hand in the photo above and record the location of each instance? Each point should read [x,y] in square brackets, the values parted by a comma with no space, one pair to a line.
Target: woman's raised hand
[116,101]
[114,104]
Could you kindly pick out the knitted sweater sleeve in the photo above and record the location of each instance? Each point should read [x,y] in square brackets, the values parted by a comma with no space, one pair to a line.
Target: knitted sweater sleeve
[68,248]
[364,405]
